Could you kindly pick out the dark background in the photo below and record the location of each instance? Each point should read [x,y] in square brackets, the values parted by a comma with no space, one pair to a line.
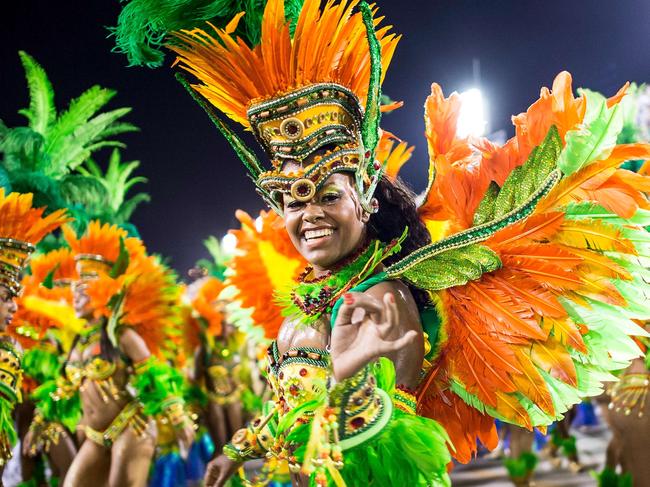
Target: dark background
[195,181]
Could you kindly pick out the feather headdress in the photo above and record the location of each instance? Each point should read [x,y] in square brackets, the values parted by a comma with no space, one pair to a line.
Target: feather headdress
[98,250]
[308,87]
[21,228]
[125,285]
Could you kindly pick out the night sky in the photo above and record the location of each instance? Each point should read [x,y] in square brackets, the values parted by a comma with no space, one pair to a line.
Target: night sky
[196,182]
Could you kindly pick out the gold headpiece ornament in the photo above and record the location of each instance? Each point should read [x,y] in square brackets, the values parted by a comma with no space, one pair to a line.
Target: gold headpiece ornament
[98,250]
[21,228]
[317,90]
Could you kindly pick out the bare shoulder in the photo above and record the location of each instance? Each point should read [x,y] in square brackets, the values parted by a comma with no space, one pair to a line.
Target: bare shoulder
[403,297]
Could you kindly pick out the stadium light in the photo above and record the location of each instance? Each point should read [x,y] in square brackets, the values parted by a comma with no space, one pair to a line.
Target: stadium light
[472,119]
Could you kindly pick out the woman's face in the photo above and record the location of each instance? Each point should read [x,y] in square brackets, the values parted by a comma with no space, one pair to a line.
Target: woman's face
[330,226]
[80,300]
[7,307]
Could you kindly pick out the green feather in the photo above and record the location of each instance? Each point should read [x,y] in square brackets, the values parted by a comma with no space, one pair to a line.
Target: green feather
[609,478]
[41,111]
[116,183]
[40,364]
[591,210]
[84,191]
[521,467]
[485,211]
[143,25]
[453,267]
[527,178]
[122,262]
[155,384]
[594,139]
[372,115]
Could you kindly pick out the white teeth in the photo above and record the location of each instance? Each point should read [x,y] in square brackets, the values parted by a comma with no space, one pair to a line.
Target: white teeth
[309,234]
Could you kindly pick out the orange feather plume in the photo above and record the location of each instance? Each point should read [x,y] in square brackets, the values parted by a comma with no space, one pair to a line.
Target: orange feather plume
[20,221]
[265,261]
[207,306]
[150,303]
[615,189]
[104,240]
[29,326]
[328,45]
[392,156]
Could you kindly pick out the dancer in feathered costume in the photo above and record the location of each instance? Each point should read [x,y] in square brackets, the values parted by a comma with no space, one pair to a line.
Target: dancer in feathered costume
[127,298]
[45,325]
[520,307]
[21,228]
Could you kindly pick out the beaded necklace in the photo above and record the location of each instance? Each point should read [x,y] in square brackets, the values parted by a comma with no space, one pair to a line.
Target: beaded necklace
[314,296]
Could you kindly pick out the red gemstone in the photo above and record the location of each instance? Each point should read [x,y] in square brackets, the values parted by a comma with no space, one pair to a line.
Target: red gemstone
[357,422]
[293,389]
[281,375]
[303,372]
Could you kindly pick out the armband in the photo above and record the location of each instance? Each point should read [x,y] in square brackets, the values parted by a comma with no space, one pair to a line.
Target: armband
[255,440]
[10,394]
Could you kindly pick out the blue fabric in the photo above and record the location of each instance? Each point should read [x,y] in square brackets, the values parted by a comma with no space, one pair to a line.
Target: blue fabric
[169,471]
[200,454]
[585,415]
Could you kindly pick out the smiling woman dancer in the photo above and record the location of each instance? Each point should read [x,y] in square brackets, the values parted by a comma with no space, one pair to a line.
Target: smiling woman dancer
[501,316]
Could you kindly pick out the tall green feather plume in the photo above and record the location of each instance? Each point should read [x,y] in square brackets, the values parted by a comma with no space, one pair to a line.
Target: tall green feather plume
[372,115]
[41,111]
[143,25]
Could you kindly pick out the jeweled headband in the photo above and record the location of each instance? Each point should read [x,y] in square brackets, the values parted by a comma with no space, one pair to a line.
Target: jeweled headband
[13,258]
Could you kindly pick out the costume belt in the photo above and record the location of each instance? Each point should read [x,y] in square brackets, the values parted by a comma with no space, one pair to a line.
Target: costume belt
[132,415]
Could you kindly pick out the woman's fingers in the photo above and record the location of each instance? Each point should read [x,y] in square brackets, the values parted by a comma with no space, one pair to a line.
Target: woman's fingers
[352,301]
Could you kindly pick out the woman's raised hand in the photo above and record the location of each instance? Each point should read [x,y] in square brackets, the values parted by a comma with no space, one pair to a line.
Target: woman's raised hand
[365,329]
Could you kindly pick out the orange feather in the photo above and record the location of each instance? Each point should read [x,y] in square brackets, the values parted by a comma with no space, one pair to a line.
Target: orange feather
[537,227]
[531,384]
[325,48]
[564,191]
[552,357]
[565,331]
[593,235]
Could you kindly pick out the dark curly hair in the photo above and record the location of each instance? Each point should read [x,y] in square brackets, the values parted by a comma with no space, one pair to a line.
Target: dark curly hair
[397,210]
